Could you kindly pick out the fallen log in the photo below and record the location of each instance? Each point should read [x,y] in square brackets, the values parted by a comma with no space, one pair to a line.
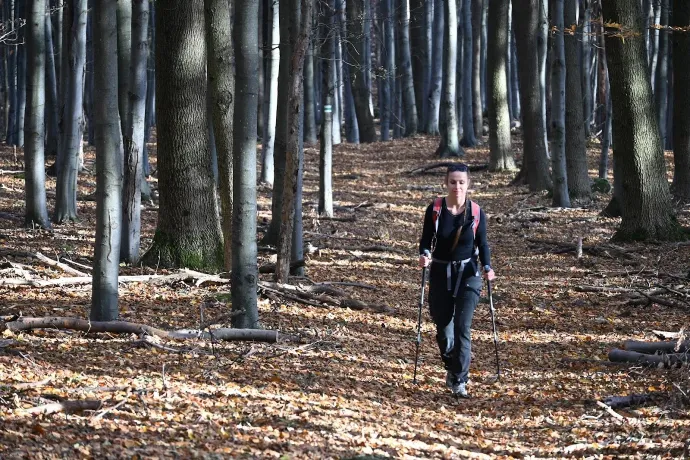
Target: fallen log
[64,406]
[617,402]
[182,275]
[329,295]
[651,348]
[54,263]
[124,327]
[665,360]
[426,168]
[669,335]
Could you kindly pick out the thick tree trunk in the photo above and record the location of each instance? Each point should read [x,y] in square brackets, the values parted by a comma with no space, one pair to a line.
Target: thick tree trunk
[405,69]
[271,93]
[535,165]
[477,6]
[468,138]
[681,105]
[134,134]
[436,81]
[104,298]
[356,54]
[419,54]
[71,140]
[662,74]
[244,250]
[222,88]
[188,232]
[499,118]
[558,104]
[124,54]
[450,145]
[646,207]
[36,209]
[575,142]
[51,109]
[300,39]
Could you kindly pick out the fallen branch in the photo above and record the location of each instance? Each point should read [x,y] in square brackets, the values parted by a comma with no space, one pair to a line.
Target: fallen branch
[338,219]
[321,293]
[665,360]
[4,172]
[651,348]
[427,168]
[54,263]
[347,283]
[123,327]
[64,406]
[29,385]
[616,402]
[271,268]
[669,335]
[610,411]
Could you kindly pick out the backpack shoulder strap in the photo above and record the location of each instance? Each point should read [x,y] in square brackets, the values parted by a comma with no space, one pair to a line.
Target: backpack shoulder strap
[436,212]
[476,214]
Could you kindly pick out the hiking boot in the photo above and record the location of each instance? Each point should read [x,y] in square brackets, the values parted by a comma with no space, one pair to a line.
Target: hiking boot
[449,380]
[459,389]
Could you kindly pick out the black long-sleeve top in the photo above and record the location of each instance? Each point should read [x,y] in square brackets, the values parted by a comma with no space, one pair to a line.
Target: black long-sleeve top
[448,225]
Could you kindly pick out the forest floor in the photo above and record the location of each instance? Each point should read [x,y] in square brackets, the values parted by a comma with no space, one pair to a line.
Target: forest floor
[346,391]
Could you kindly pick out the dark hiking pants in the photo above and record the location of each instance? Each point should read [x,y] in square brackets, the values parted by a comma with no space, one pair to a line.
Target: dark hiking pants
[453,318]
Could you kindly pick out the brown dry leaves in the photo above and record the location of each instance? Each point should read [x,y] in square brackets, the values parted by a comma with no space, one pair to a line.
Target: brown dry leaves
[350,392]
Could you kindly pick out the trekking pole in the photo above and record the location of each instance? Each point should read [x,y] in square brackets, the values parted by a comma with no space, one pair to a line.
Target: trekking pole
[493,323]
[419,321]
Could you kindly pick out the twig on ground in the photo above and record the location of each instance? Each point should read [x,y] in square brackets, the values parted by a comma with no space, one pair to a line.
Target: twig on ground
[64,406]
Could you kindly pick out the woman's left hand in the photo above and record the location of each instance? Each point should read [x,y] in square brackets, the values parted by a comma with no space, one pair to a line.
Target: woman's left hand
[490,275]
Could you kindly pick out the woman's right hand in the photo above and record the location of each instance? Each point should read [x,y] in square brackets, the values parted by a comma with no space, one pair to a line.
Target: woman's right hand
[424,260]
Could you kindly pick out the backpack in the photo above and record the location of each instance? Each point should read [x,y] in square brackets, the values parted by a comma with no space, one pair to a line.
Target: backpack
[438,203]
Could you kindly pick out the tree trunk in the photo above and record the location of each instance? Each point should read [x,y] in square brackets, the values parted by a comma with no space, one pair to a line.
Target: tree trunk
[436,81]
[388,51]
[356,54]
[349,113]
[104,298]
[51,109]
[70,143]
[222,88]
[244,250]
[655,19]
[449,146]
[188,232]
[309,97]
[681,105]
[535,157]
[405,69]
[21,75]
[498,44]
[36,209]
[661,88]
[585,34]
[327,126]
[646,207]
[477,67]
[302,11]
[134,134]
[558,102]
[514,80]
[271,94]
[468,139]
[419,54]
[124,54]
[575,142]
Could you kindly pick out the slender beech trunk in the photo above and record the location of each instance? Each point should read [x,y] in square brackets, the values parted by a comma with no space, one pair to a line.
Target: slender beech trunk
[51,110]
[450,145]
[575,143]
[34,150]
[104,298]
[558,101]
[535,165]
[405,70]
[271,93]
[662,74]
[124,54]
[477,111]
[681,104]
[66,195]
[434,97]
[309,96]
[388,51]
[419,55]
[468,138]
[221,90]
[499,118]
[291,184]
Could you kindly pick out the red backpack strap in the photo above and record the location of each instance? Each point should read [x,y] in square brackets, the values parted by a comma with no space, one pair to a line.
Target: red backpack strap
[438,202]
[476,213]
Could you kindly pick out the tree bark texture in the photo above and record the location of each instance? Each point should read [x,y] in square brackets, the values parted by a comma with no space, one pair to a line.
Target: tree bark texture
[188,232]
[646,207]
[558,104]
[405,70]
[681,105]
[450,144]
[108,132]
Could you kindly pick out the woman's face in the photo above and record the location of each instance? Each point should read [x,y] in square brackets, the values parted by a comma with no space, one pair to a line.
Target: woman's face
[457,183]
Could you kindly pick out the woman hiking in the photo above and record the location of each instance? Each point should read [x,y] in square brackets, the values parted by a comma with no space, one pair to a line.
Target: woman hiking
[454,242]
